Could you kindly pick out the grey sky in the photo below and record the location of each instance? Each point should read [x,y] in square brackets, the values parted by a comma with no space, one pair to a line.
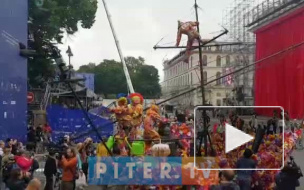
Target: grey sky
[139,25]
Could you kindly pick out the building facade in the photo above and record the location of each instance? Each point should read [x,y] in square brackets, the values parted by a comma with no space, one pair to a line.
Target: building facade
[219,59]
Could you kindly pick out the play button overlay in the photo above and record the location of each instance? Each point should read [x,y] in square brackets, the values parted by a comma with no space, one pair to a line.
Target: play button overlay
[235,138]
[226,135]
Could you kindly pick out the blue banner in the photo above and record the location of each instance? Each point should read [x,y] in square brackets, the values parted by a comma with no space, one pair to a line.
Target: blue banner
[72,122]
[13,69]
[89,80]
[135,171]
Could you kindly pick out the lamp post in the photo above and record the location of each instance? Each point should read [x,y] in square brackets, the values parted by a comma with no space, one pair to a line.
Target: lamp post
[70,54]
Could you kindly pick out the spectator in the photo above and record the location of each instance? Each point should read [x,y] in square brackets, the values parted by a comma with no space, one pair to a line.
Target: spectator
[86,151]
[79,162]
[260,132]
[47,131]
[39,139]
[244,177]
[24,161]
[286,179]
[66,141]
[50,169]
[14,146]
[20,147]
[31,139]
[34,167]
[69,165]
[7,163]
[270,127]
[2,145]
[34,184]
[226,181]
[18,180]
[1,154]
[254,122]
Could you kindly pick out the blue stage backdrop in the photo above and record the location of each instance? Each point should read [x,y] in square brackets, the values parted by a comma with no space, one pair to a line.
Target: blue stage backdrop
[13,69]
[89,80]
[72,122]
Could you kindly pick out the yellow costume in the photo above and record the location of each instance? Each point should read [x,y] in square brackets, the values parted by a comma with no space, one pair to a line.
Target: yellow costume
[136,112]
[122,113]
[151,122]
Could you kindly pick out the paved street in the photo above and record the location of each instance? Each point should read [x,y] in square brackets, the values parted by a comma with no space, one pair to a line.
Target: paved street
[299,155]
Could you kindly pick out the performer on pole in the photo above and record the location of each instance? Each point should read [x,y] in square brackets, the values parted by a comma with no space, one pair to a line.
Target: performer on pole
[189,29]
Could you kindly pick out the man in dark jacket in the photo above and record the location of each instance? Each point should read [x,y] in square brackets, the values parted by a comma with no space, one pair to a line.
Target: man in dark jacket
[286,180]
[289,176]
[244,177]
[260,132]
[50,169]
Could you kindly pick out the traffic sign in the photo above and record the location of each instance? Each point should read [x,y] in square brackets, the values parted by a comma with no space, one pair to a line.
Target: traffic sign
[30,97]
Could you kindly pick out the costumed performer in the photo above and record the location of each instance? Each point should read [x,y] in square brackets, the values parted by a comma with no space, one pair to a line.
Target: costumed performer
[136,112]
[189,29]
[122,115]
[151,122]
[123,118]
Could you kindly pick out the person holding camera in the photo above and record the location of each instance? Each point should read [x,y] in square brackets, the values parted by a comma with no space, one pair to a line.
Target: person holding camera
[289,176]
[69,166]
[85,151]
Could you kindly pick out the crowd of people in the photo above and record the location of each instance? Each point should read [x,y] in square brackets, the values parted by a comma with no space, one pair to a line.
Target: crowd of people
[17,167]
[67,165]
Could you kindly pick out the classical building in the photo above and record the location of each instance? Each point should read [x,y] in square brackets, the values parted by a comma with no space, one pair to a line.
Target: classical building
[219,59]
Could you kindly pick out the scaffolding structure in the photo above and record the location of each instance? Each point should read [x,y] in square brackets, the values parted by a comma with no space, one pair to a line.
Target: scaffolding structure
[269,10]
[234,18]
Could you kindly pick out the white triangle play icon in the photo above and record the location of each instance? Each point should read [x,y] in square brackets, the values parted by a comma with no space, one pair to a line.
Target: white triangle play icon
[235,138]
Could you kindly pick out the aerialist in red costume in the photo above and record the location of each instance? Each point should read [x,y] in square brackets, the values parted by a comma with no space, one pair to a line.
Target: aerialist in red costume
[189,29]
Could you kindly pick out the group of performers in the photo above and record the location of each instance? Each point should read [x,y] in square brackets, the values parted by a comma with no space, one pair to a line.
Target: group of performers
[149,127]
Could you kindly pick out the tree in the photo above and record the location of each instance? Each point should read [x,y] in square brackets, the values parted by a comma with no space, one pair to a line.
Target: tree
[48,22]
[110,78]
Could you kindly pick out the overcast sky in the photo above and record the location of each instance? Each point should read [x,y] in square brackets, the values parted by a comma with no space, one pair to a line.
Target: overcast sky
[139,25]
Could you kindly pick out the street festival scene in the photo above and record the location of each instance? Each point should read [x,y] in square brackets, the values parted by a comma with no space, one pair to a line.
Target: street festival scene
[151,95]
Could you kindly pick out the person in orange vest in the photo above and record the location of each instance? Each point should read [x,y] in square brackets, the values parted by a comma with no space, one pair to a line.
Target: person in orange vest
[69,166]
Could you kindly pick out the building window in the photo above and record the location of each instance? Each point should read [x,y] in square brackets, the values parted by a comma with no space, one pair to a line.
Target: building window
[228,60]
[218,61]
[218,94]
[241,61]
[205,59]
[187,79]
[191,80]
[218,75]
[237,60]
[205,77]
[218,102]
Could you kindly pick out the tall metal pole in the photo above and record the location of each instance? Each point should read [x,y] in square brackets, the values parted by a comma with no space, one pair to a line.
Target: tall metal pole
[202,89]
[129,82]
[200,58]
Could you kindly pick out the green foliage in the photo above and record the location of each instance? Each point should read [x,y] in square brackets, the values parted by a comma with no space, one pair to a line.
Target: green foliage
[110,78]
[49,20]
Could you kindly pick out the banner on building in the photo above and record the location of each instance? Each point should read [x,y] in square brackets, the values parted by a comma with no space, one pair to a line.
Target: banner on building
[72,122]
[13,72]
[228,80]
[89,80]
